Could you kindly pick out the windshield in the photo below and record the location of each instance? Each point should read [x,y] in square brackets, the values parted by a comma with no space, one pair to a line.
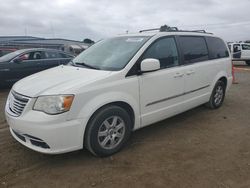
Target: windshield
[11,55]
[110,54]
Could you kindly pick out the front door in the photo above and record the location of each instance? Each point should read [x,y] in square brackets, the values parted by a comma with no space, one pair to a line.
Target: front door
[161,91]
[236,51]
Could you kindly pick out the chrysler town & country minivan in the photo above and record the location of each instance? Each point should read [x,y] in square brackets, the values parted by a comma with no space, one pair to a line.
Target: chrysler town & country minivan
[116,86]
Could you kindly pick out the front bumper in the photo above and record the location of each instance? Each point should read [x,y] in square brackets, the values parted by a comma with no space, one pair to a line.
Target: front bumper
[46,133]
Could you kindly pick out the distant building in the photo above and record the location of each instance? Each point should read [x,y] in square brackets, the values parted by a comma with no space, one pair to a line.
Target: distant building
[20,42]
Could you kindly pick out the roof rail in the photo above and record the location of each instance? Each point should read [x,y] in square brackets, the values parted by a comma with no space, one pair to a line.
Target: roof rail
[196,31]
[201,31]
[166,28]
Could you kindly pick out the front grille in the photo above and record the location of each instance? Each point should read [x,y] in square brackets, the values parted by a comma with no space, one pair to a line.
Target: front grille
[17,103]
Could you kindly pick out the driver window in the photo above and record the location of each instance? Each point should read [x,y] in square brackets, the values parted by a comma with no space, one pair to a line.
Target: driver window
[24,57]
[37,55]
[165,51]
[32,56]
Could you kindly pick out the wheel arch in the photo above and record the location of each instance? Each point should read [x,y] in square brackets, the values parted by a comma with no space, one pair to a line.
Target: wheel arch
[220,76]
[126,101]
[121,104]
[224,80]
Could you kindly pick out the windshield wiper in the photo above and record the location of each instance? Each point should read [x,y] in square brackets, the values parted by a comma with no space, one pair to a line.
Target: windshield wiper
[85,65]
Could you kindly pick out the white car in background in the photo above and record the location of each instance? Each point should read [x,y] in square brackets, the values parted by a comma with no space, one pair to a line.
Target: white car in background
[240,52]
[116,86]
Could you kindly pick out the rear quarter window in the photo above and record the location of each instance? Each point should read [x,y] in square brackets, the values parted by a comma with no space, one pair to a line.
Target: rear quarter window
[63,55]
[217,48]
[51,54]
[245,47]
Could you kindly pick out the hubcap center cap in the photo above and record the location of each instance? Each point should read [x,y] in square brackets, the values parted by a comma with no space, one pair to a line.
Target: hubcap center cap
[111,132]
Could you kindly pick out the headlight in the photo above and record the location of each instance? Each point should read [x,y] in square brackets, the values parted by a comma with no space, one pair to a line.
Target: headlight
[53,104]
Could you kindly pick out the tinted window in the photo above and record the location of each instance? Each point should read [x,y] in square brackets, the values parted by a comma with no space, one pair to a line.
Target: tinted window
[51,55]
[165,51]
[36,55]
[194,49]
[63,55]
[217,48]
[245,47]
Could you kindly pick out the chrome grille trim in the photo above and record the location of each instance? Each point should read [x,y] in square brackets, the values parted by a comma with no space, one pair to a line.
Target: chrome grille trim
[17,103]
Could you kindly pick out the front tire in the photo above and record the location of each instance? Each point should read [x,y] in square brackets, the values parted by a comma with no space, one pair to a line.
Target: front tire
[108,131]
[217,96]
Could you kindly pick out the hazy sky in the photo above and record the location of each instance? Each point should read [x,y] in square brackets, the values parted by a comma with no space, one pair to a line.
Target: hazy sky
[96,19]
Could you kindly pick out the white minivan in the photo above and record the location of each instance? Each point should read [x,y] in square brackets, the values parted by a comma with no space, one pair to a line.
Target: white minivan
[116,86]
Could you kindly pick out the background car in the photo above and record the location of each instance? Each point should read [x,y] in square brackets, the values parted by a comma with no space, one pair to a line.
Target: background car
[240,52]
[21,63]
[4,51]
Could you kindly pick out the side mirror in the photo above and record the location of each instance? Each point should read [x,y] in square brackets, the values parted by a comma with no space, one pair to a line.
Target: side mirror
[150,65]
[17,60]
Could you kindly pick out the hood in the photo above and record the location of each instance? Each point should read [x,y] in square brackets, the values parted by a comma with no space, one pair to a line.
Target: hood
[2,61]
[58,80]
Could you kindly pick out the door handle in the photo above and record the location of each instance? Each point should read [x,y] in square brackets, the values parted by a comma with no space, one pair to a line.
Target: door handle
[190,72]
[178,75]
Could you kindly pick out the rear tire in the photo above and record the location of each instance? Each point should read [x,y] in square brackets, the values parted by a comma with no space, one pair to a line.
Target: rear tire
[217,96]
[108,131]
[248,63]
